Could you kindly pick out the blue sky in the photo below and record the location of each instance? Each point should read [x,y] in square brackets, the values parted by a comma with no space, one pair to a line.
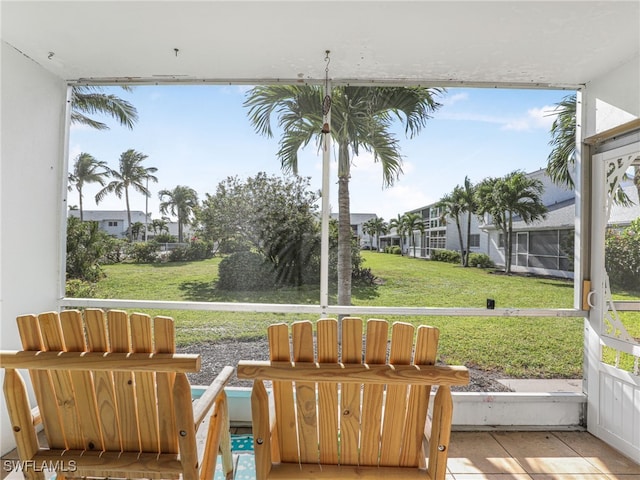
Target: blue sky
[199,135]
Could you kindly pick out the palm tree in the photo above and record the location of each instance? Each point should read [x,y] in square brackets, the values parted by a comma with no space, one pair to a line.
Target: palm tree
[361,119]
[158,225]
[86,169]
[136,229]
[451,206]
[89,99]
[563,140]
[512,195]
[413,222]
[563,154]
[467,196]
[376,226]
[131,175]
[399,224]
[179,202]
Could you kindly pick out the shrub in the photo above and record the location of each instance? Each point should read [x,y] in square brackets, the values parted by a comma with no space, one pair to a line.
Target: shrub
[448,256]
[395,250]
[245,271]
[481,260]
[116,250]
[144,252]
[165,238]
[86,245]
[77,288]
[363,277]
[196,250]
[622,256]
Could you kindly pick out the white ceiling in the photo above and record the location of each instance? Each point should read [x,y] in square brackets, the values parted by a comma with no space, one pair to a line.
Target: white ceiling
[560,43]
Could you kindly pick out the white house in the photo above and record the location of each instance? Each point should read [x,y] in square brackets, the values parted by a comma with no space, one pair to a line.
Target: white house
[113,222]
[357,227]
[443,233]
[116,222]
[546,247]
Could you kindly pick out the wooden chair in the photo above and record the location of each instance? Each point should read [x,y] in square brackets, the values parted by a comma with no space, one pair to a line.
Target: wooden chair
[344,415]
[113,398]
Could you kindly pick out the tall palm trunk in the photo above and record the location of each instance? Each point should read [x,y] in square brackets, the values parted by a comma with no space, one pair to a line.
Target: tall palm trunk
[509,246]
[80,202]
[180,234]
[460,239]
[344,228]
[466,256]
[126,198]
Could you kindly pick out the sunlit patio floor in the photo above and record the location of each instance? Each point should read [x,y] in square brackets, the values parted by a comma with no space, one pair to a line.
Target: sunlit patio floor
[498,456]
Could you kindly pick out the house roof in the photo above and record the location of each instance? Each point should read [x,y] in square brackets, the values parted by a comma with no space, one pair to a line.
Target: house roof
[562,214]
[100,215]
[358,218]
[528,43]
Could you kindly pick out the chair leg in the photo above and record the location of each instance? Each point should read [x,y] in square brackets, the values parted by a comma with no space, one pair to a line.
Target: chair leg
[440,433]
[218,440]
[225,441]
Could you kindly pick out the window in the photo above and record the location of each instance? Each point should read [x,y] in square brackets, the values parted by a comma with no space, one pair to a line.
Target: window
[474,240]
[112,223]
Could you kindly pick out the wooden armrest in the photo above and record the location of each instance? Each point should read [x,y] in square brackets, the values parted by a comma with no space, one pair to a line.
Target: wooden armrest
[100,361]
[206,401]
[354,373]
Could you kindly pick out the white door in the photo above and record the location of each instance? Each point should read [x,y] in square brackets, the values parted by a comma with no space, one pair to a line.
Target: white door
[612,354]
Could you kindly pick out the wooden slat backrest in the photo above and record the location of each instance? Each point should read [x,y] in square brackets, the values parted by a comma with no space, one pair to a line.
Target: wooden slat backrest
[372,395]
[83,386]
[145,385]
[369,424]
[29,330]
[279,351]
[425,354]
[52,340]
[350,394]
[119,411]
[327,340]
[302,335]
[120,342]
[165,342]
[395,410]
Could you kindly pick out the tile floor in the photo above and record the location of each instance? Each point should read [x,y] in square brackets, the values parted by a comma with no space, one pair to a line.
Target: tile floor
[508,456]
[537,456]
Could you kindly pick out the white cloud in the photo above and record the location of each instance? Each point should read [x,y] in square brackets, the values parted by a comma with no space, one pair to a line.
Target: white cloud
[455,98]
[534,119]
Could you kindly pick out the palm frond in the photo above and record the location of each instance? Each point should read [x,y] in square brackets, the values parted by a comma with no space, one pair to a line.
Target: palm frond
[88,100]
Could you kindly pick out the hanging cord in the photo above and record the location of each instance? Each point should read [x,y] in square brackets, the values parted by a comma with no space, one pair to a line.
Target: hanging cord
[326,102]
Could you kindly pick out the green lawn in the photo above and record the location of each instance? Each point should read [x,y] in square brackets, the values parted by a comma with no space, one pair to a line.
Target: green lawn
[519,347]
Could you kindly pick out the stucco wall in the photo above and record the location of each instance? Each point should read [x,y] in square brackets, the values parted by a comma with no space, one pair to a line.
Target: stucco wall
[33,110]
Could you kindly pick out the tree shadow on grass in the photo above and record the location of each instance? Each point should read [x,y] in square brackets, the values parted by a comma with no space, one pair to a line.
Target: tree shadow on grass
[203,291]
[365,292]
[558,285]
